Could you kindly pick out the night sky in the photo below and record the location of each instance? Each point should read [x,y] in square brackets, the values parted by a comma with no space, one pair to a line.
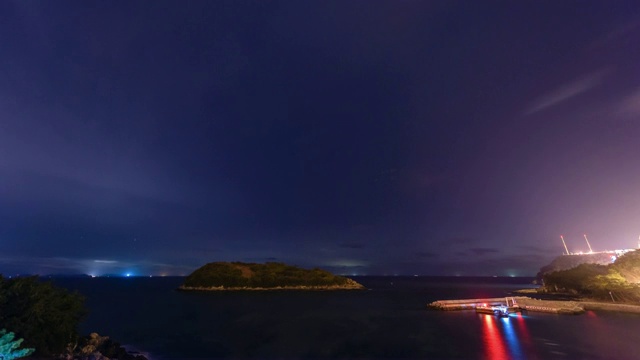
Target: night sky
[363,137]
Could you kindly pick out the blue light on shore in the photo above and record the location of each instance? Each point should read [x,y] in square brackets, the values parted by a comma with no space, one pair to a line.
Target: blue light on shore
[127,274]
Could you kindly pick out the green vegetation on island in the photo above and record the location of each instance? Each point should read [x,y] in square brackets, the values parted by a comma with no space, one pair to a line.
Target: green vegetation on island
[272,275]
[618,281]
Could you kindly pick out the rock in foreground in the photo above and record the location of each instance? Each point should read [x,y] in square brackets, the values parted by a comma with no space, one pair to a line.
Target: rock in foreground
[269,276]
[96,347]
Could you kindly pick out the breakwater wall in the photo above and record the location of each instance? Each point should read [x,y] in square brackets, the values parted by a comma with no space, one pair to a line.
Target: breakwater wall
[551,306]
[516,303]
[593,305]
[471,304]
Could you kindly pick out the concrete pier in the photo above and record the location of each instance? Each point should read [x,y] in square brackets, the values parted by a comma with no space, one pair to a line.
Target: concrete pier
[471,304]
[515,304]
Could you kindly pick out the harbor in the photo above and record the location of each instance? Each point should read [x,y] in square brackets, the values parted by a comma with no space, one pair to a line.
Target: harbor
[507,305]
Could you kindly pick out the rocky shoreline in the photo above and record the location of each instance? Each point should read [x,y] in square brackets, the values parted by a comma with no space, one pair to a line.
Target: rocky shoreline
[95,347]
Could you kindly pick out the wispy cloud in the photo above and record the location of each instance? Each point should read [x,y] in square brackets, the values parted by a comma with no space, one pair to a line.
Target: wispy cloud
[538,249]
[260,259]
[624,32]
[630,104]
[567,91]
[426,254]
[478,251]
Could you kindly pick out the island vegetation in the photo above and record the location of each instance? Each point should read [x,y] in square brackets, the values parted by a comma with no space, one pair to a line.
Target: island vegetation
[268,276]
[618,281]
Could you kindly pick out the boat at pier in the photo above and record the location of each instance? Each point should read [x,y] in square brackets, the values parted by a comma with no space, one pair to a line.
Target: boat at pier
[497,310]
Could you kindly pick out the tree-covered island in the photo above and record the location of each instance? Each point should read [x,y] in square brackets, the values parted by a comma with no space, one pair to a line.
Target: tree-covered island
[268,276]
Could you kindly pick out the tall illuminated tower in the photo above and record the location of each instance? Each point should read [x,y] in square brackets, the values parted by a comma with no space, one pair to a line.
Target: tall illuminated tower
[567,250]
[589,245]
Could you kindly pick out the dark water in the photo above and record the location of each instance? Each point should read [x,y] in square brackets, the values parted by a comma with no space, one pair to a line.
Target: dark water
[388,321]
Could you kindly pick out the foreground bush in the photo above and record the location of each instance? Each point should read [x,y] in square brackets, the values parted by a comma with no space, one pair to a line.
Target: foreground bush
[46,316]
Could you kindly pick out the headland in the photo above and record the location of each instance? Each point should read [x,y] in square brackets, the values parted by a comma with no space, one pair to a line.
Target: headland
[603,281]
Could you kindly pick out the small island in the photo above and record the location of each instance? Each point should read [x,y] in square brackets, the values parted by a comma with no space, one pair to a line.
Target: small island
[269,276]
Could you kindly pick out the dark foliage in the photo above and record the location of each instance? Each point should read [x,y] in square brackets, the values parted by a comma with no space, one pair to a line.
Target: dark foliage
[574,280]
[46,316]
[269,275]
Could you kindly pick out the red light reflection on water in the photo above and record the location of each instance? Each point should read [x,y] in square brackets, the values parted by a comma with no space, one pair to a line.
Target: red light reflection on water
[493,340]
[595,322]
[522,326]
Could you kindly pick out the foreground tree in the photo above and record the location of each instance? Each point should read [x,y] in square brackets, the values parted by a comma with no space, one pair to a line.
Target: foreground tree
[9,346]
[46,316]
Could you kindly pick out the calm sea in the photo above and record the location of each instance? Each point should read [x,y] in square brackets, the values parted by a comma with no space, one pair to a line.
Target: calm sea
[388,321]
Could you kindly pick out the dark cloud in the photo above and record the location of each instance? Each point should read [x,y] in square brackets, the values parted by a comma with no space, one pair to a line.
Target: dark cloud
[459,240]
[500,265]
[352,245]
[483,251]
[520,265]
[529,249]
[427,254]
[261,259]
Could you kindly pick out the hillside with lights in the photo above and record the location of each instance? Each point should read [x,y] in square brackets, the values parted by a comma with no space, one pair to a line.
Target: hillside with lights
[607,276]
[569,260]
